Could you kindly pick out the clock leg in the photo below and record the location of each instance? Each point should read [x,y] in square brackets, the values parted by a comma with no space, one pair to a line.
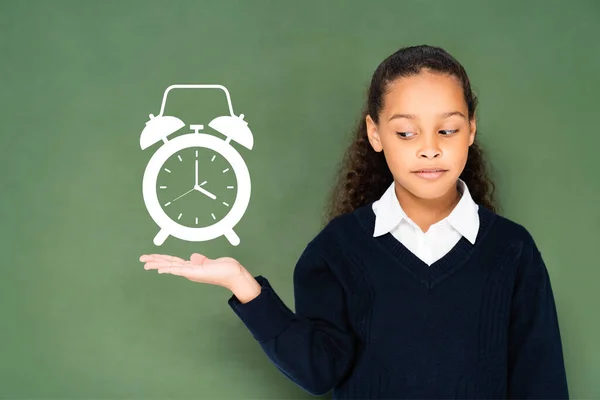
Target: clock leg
[160,237]
[233,238]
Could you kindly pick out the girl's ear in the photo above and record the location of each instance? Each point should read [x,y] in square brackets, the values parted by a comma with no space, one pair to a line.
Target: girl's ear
[473,127]
[373,135]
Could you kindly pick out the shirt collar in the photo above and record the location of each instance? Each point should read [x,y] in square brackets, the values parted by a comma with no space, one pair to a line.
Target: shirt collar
[464,217]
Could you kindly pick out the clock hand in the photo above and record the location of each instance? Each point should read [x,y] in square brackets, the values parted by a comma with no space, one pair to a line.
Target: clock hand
[196,186]
[206,192]
[183,194]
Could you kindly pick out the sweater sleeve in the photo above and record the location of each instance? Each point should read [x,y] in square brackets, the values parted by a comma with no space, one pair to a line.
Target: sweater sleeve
[314,347]
[535,360]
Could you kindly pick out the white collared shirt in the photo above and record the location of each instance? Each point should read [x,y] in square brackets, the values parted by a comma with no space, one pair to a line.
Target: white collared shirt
[440,238]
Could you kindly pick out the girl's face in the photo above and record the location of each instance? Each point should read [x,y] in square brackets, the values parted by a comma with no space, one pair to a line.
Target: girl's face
[424,123]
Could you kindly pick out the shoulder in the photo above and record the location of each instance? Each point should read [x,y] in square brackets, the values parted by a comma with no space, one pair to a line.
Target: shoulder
[340,230]
[512,231]
[327,237]
[337,237]
[516,236]
[320,255]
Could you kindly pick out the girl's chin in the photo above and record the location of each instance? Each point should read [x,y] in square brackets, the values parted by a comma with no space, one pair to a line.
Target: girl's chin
[427,189]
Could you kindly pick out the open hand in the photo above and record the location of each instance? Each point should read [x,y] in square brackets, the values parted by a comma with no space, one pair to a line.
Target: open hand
[221,271]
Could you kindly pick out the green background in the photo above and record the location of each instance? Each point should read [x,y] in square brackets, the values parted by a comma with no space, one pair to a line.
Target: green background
[81,318]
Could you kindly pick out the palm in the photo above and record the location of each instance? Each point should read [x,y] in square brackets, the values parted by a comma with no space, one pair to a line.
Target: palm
[220,271]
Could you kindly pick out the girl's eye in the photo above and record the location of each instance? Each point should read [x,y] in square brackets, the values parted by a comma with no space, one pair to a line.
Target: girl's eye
[451,131]
[402,134]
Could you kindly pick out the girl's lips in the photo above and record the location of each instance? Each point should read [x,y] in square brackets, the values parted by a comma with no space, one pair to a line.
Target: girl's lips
[430,175]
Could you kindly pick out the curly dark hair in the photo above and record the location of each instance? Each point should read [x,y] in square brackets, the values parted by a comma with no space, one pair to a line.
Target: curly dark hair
[363,174]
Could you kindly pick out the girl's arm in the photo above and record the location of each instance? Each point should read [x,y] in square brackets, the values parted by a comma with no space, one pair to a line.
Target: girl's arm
[314,347]
[536,366]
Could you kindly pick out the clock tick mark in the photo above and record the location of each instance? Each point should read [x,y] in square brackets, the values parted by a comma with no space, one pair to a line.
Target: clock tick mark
[226,204]
[180,214]
[213,215]
[167,204]
[163,187]
[225,170]
[167,170]
[213,159]
[196,220]
[178,156]
[229,187]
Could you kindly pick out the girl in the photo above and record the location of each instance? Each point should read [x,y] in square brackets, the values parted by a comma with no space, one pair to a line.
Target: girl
[415,287]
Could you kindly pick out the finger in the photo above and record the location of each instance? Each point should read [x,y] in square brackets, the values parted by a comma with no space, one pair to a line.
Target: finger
[166,257]
[165,264]
[151,265]
[197,258]
[157,257]
[173,258]
[181,271]
[150,257]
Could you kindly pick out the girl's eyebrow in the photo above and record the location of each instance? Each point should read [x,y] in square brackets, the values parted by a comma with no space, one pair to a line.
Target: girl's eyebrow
[442,115]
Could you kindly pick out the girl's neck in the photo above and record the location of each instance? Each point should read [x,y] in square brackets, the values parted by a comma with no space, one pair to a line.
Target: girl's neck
[426,212]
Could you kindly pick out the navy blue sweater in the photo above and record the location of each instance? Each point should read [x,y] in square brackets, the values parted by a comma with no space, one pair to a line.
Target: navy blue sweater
[373,320]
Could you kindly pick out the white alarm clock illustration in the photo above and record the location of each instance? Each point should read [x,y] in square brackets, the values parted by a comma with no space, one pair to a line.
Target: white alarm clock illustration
[218,203]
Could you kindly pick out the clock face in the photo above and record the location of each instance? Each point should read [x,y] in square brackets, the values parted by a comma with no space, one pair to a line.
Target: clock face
[196,187]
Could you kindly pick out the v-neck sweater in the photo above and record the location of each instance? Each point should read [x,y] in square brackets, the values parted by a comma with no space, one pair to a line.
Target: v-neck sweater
[372,320]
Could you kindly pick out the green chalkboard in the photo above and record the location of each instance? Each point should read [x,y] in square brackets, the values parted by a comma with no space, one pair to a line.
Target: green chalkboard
[80,318]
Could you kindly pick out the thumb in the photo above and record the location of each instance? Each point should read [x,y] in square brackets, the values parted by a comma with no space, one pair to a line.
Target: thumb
[197,258]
